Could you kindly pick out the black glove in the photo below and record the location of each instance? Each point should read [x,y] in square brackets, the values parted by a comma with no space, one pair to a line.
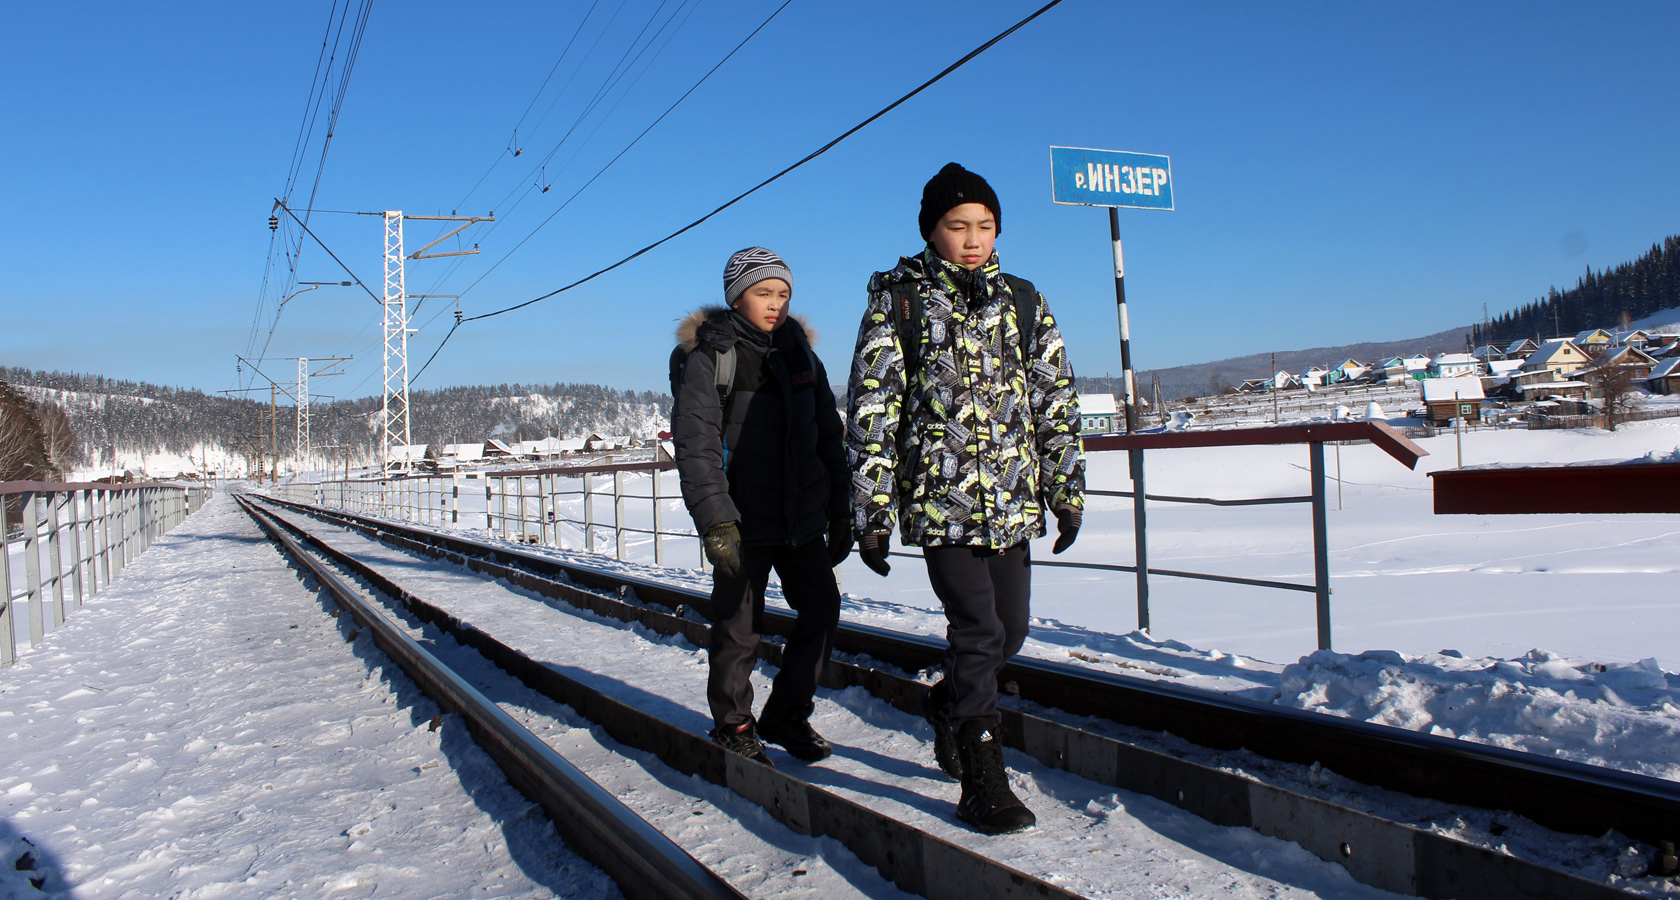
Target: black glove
[872,549]
[839,540]
[723,548]
[1067,527]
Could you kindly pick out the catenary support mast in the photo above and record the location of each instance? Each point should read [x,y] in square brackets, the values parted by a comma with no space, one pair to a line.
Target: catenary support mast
[393,408]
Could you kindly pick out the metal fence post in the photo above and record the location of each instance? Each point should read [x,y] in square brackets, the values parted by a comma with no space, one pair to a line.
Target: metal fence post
[588,515]
[658,523]
[56,556]
[73,501]
[8,640]
[32,569]
[618,514]
[105,535]
[1321,546]
[1140,536]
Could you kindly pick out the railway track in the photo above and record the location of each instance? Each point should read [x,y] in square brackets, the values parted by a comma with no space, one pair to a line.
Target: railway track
[1380,852]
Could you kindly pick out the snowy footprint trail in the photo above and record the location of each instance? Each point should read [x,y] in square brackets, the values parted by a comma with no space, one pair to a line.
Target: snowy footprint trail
[202,729]
[1092,839]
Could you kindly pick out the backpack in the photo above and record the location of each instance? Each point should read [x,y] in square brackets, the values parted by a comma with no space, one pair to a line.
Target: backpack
[907,301]
[724,381]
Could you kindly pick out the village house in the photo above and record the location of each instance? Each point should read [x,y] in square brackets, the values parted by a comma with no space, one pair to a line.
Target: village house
[1312,376]
[1348,370]
[1594,341]
[1454,365]
[497,450]
[1665,378]
[1520,349]
[1488,353]
[1561,355]
[1536,384]
[1098,414]
[1636,338]
[1445,399]
[1636,362]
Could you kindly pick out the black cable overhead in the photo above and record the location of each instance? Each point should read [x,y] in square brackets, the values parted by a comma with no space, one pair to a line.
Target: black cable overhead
[349,33]
[750,191]
[766,182]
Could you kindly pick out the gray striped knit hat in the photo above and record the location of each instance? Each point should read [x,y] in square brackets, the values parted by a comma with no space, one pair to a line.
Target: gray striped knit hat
[750,266]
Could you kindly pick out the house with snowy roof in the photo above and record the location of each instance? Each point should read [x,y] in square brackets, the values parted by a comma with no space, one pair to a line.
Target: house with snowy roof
[1636,362]
[1593,341]
[1520,348]
[1635,338]
[1561,355]
[1348,370]
[498,450]
[1098,414]
[1313,376]
[1454,365]
[1416,364]
[1665,378]
[1537,384]
[1448,398]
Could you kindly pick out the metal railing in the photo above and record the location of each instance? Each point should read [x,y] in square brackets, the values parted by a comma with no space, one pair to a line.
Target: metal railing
[521,505]
[100,527]
[524,505]
[1314,436]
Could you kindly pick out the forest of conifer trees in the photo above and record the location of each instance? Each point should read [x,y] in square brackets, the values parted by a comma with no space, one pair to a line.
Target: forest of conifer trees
[1604,299]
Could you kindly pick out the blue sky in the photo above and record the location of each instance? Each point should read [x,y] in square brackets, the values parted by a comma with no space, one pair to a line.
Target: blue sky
[1342,172]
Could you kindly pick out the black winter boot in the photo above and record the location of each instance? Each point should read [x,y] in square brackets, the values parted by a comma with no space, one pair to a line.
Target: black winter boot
[987,802]
[742,739]
[935,703]
[794,732]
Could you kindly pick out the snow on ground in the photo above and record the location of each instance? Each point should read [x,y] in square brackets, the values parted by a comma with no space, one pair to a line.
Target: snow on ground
[202,729]
[1476,622]
[1091,838]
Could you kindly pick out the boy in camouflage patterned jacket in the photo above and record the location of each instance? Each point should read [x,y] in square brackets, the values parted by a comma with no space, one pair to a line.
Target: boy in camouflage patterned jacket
[963,425]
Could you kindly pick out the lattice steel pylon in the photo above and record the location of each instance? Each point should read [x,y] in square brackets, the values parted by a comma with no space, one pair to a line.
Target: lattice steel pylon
[393,414]
[303,448]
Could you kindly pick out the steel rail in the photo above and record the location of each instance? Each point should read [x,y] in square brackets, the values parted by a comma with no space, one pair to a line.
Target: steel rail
[1563,795]
[1380,852]
[912,859]
[642,860]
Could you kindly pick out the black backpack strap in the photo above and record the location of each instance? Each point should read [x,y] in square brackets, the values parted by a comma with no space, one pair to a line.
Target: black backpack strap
[907,311]
[1026,314]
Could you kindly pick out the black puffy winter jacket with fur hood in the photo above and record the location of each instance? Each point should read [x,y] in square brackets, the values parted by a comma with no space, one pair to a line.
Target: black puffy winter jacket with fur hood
[786,477]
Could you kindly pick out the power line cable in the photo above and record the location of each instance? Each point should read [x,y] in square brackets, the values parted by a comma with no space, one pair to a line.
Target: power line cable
[628,147]
[813,155]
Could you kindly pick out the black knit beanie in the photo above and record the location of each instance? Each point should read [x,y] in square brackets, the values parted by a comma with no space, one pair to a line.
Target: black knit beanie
[951,188]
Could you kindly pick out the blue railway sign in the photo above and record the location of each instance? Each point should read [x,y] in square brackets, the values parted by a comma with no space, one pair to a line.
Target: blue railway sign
[1080,176]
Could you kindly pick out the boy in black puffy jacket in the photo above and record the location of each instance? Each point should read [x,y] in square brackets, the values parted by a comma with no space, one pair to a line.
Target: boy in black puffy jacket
[764,475]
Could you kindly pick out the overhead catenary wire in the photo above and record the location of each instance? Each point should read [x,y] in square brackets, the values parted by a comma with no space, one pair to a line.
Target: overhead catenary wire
[773,178]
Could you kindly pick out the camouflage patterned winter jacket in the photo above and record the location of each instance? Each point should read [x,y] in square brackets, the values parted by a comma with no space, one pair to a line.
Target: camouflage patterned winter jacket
[976,448]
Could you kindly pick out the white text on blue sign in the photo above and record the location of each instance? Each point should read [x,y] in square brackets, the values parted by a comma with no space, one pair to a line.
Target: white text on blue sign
[1088,177]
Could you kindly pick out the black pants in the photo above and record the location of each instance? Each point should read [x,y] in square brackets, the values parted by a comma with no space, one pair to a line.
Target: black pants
[738,619]
[986,594]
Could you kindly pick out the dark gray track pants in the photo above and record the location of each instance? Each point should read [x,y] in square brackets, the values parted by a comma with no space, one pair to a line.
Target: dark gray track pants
[986,594]
[738,619]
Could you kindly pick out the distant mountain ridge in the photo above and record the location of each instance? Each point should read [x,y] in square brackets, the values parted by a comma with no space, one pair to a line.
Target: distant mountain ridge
[124,423]
[1200,379]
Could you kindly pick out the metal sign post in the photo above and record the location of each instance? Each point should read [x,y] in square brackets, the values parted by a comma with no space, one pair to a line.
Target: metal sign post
[1080,176]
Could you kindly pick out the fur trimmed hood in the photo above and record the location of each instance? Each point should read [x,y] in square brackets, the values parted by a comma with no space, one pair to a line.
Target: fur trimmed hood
[688,330]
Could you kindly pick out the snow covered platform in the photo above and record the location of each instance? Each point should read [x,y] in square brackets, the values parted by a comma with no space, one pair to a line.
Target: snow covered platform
[203,729]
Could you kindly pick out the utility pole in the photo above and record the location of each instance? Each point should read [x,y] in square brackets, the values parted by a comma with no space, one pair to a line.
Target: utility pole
[393,407]
[1274,390]
[304,447]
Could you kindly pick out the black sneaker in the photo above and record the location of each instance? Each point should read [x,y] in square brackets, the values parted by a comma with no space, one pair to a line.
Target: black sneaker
[944,738]
[987,802]
[796,736]
[742,739]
